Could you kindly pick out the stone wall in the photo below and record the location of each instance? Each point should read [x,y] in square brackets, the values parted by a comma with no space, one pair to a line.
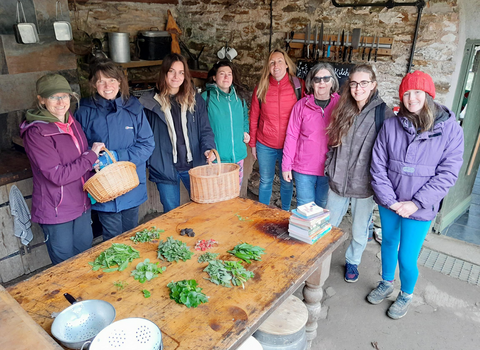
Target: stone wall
[246,27]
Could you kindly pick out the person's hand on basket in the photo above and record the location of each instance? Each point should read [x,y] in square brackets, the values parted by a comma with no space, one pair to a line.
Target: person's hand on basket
[97,147]
[210,155]
[104,159]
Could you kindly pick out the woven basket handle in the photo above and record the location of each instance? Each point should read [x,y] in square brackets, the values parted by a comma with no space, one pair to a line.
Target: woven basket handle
[111,157]
[219,162]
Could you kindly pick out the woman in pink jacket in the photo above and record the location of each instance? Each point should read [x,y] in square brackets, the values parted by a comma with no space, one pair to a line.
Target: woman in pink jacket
[306,143]
[272,102]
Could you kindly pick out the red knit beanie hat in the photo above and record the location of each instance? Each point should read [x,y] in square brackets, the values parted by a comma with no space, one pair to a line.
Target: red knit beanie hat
[417,81]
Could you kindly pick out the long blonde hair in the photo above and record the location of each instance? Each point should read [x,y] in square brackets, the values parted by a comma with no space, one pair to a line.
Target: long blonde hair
[265,77]
[347,109]
[186,93]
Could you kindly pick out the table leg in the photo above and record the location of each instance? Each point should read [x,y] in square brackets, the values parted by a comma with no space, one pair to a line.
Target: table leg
[312,294]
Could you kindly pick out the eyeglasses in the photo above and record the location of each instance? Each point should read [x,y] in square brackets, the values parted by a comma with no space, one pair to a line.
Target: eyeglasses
[363,83]
[58,98]
[318,80]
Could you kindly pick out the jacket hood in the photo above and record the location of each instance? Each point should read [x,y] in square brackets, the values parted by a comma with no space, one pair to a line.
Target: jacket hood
[43,115]
[147,100]
[374,102]
[217,92]
[132,104]
[443,116]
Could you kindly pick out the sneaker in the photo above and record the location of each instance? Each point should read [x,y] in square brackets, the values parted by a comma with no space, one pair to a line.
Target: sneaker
[351,273]
[384,290]
[400,307]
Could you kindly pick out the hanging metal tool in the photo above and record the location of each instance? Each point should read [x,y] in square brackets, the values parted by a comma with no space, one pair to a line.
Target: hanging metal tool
[364,48]
[337,46]
[307,41]
[340,54]
[371,48]
[321,46]
[329,46]
[376,49]
[345,49]
[315,41]
[419,4]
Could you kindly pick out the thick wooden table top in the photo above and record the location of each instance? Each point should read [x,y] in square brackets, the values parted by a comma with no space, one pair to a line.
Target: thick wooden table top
[231,314]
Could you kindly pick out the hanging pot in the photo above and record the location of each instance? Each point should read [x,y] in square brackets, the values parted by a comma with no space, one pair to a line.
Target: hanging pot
[25,33]
[62,29]
[153,44]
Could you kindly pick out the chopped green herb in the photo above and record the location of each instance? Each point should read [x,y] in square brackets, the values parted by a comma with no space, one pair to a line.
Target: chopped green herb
[173,250]
[242,218]
[146,270]
[186,292]
[120,284]
[146,293]
[207,257]
[117,254]
[147,235]
[247,252]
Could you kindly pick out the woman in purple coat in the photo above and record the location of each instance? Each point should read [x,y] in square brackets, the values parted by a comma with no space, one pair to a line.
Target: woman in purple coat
[61,162]
[416,158]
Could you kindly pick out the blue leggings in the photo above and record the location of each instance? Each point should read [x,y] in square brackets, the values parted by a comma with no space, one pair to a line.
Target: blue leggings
[402,240]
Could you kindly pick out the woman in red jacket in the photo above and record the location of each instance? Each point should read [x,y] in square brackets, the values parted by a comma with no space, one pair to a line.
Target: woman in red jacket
[272,101]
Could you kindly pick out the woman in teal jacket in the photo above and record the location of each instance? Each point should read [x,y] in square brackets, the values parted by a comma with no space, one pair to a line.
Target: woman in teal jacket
[227,110]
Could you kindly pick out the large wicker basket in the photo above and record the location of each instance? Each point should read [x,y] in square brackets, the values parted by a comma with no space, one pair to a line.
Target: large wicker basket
[112,181]
[214,182]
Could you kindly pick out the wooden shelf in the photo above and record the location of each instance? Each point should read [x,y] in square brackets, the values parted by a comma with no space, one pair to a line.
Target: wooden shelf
[141,63]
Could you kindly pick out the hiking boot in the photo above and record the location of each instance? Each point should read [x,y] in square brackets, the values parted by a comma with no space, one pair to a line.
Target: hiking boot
[351,273]
[400,307]
[384,290]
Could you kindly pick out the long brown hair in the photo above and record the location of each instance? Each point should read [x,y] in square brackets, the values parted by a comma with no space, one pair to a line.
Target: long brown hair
[347,109]
[111,70]
[186,94]
[240,88]
[426,116]
[265,77]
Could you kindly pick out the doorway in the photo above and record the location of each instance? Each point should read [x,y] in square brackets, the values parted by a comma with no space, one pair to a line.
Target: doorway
[466,107]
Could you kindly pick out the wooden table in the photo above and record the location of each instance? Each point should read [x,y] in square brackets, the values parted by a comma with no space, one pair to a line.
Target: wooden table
[232,314]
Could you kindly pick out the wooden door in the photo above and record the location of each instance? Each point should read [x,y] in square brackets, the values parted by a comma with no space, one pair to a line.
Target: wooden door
[467,109]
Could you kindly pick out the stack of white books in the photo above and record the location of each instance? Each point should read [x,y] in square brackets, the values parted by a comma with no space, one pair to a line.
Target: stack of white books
[309,223]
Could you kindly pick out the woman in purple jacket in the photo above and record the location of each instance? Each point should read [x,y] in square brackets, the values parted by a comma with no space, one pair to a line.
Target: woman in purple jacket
[61,163]
[306,144]
[416,158]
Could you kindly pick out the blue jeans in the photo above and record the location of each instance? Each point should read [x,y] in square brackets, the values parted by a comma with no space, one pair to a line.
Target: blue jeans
[402,240]
[311,188]
[170,193]
[267,158]
[114,224]
[68,239]
[362,212]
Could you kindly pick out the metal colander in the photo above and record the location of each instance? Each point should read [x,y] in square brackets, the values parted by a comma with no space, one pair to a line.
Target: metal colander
[129,333]
[81,322]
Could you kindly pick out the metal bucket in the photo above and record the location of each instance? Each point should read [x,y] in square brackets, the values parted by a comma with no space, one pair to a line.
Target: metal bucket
[119,44]
[295,341]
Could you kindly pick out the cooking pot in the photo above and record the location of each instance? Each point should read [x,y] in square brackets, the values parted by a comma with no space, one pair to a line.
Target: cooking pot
[119,45]
[82,321]
[153,44]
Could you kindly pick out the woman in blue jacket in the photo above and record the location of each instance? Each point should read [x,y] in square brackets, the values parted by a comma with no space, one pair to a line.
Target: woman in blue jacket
[416,158]
[182,132]
[227,108]
[117,119]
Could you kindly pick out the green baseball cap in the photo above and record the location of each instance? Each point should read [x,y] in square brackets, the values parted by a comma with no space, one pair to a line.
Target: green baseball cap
[52,84]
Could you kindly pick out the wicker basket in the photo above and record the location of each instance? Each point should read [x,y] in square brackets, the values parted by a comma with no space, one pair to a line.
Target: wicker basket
[214,182]
[112,181]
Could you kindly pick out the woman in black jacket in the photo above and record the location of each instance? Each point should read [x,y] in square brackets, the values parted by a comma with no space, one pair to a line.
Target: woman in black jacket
[182,132]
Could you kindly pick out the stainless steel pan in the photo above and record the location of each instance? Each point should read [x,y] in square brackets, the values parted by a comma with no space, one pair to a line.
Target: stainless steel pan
[63,29]
[82,321]
[25,33]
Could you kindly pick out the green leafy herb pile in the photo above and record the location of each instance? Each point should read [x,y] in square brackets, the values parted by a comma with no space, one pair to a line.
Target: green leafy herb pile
[120,284]
[186,292]
[117,254]
[146,293]
[207,257]
[147,235]
[226,272]
[173,250]
[146,270]
[247,252]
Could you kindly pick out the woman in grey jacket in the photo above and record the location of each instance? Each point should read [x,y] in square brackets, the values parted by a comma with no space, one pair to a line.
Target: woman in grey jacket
[352,133]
